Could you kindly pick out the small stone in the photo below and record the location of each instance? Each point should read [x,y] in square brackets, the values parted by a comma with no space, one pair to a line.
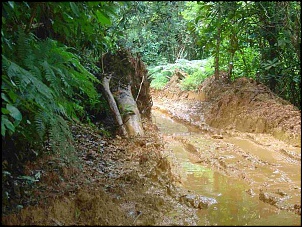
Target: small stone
[217,136]
[250,192]
[205,202]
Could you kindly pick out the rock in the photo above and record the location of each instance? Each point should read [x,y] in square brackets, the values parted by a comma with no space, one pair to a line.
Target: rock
[250,192]
[270,198]
[205,202]
[198,201]
[217,136]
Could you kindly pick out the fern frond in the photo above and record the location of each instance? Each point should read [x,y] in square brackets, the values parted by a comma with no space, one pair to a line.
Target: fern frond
[51,77]
[61,139]
[34,70]
[84,85]
[25,48]
[23,45]
[41,119]
[47,77]
[60,110]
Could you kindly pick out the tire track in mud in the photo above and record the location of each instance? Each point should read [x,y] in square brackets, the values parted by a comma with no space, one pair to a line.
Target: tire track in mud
[272,171]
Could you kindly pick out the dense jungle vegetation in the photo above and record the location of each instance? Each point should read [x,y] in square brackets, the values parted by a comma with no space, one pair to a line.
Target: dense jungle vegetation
[50,52]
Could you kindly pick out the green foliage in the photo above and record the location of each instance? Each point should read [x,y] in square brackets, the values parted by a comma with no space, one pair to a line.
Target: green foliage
[159,81]
[155,31]
[72,23]
[246,63]
[49,50]
[161,74]
[260,39]
[192,81]
[42,91]
[9,124]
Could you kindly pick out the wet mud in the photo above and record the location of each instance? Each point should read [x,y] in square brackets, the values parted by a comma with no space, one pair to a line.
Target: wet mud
[254,177]
[268,169]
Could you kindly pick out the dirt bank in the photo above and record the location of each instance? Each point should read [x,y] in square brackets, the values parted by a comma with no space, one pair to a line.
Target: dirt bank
[243,105]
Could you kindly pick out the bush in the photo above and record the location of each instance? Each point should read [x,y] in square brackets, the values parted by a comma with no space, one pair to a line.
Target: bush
[159,81]
[192,81]
[161,74]
[44,86]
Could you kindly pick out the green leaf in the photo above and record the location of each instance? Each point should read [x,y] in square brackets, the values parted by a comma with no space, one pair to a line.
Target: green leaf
[74,9]
[102,18]
[4,97]
[93,4]
[4,111]
[68,17]
[13,96]
[14,112]
[27,178]
[6,173]
[110,10]
[5,123]
[12,4]
[198,19]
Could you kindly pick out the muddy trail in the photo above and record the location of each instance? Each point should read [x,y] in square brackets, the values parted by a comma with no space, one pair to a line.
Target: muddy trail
[246,184]
[207,158]
[240,131]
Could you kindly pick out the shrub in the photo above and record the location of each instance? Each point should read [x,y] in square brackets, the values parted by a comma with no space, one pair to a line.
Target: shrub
[161,74]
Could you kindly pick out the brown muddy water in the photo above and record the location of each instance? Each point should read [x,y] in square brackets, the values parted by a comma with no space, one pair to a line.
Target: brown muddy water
[234,205]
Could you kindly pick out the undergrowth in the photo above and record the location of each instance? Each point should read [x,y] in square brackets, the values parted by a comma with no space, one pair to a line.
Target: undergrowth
[197,71]
[44,87]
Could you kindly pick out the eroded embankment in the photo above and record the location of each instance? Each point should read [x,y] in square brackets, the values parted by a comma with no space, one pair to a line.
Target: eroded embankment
[122,181]
[243,105]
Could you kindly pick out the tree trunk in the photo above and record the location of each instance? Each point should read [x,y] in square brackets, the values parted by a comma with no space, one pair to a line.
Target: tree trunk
[112,104]
[130,113]
[217,55]
[217,52]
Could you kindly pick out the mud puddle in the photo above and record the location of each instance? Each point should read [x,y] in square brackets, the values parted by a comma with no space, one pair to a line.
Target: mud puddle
[233,171]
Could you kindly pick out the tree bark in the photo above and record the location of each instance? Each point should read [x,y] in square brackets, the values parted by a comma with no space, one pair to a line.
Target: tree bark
[217,54]
[130,113]
[217,50]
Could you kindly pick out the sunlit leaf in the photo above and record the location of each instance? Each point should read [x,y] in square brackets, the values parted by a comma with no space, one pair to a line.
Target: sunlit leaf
[13,96]
[4,111]
[12,4]
[74,9]
[29,178]
[4,97]
[102,18]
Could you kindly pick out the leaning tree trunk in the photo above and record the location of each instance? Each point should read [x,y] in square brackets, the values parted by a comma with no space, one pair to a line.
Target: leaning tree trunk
[130,114]
[112,104]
